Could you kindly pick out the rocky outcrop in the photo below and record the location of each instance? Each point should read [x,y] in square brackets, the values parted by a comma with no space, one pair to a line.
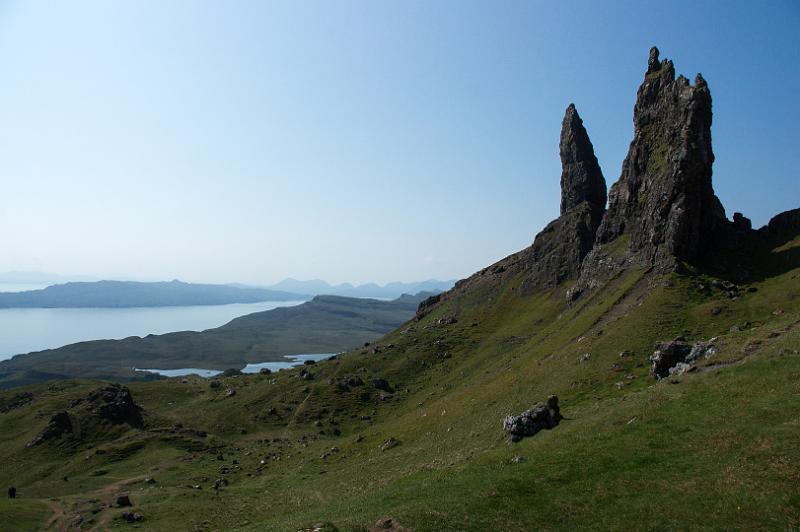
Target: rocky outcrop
[662,212]
[581,178]
[558,251]
[58,425]
[664,199]
[540,417]
[663,209]
[426,305]
[114,404]
[784,224]
[111,404]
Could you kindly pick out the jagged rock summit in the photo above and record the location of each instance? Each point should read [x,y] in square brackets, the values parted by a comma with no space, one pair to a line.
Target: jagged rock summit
[558,251]
[664,198]
[581,177]
[662,211]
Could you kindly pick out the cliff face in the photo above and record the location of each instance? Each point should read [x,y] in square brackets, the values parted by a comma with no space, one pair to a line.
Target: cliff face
[558,251]
[581,178]
[664,198]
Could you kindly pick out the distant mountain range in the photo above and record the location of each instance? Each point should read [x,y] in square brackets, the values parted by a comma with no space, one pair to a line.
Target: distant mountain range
[119,294]
[40,278]
[122,294]
[387,291]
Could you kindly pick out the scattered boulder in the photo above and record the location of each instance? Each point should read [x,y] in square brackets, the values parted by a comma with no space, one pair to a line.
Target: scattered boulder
[230,392]
[668,355]
[265,371]
[387,524]
[220,483]
[539,417]
[59,424]
[730,289]
[382,384]
[305,375]
[123,501]
[391,443]
[214,385]
[353,380]
[132,517]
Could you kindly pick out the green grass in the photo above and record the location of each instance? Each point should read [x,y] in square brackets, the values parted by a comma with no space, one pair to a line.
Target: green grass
[714,449]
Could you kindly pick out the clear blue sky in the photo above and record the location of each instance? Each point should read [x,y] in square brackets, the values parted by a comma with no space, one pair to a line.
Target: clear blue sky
[352,141]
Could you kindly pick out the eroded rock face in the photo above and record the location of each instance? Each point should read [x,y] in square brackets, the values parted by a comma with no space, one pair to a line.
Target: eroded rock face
[59,424]
[664,199]
[786,223]
[581,177]
[426,305]
[558,251]
[540,417]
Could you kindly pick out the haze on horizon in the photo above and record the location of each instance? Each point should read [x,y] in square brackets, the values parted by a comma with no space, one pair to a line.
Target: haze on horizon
[351,141]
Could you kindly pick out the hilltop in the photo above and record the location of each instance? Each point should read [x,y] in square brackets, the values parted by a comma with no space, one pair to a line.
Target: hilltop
[669,334]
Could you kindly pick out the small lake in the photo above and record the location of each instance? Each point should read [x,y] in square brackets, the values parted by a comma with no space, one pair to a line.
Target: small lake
[23,330]
[292,361]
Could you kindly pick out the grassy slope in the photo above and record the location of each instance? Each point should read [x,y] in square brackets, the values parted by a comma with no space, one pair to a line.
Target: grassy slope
[712,449]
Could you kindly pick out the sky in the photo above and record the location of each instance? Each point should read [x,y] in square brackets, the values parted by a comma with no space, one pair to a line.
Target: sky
[360,141]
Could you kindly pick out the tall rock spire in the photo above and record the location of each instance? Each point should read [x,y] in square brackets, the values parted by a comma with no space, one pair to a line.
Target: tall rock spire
[558,251]
[581,177]
[664,198]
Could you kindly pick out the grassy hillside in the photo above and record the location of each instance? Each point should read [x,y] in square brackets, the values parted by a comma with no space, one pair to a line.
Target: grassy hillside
[327,324]
[715,448]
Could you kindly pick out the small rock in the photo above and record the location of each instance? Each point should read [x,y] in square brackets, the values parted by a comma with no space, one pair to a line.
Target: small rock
[391,443]
[123,501]
[387,524]
[539,417]
[132,517]
[382,384]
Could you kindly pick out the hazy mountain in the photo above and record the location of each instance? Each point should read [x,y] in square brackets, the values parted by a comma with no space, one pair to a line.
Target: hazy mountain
[41,278]
[390,290]
[118,294]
